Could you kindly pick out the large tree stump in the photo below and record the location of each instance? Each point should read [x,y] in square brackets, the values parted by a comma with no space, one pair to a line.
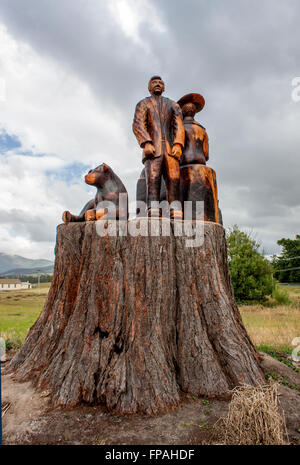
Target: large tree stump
[132,321]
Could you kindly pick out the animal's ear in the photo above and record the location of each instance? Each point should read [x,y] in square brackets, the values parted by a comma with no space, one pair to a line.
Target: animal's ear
[105,167]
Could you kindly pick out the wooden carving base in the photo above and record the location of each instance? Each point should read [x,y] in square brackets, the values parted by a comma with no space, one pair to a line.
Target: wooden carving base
[199,183]
[132,321]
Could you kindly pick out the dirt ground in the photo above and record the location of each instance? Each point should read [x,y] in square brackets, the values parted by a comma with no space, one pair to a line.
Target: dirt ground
[30,420]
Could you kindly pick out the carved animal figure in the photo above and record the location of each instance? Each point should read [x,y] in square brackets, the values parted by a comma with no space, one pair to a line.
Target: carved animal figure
[109,186]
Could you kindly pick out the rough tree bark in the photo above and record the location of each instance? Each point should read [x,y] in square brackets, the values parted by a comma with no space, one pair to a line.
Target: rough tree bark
[132,321]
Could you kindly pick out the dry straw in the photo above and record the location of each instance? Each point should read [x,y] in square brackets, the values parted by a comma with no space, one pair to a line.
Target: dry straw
[254,418]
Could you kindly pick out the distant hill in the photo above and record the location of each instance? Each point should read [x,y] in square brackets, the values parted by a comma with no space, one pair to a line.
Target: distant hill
[30,271]
[15,264]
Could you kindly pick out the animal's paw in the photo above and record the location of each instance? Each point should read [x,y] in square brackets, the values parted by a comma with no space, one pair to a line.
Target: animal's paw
[101,213]
[90,215]
[66,216]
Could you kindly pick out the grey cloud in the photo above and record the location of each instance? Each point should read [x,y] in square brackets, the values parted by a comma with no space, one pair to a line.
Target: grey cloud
[84,37]
[34,227]
[241,55]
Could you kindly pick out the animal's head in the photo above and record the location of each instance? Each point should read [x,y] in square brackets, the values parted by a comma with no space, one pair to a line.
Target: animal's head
[98,176]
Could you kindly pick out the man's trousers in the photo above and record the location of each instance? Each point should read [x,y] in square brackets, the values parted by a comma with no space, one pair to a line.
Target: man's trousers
[168,167]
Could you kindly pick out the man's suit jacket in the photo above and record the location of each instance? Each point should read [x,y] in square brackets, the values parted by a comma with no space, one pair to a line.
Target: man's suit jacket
[158,120]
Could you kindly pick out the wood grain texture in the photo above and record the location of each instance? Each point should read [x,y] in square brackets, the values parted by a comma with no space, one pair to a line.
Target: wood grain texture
[199,183]
[132,321]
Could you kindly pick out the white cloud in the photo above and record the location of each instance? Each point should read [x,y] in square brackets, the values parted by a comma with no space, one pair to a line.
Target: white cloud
[54,113]
[132,15]
[32,203]
[51,110]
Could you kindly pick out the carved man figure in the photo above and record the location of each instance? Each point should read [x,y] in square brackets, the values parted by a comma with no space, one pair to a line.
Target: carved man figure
[159,130]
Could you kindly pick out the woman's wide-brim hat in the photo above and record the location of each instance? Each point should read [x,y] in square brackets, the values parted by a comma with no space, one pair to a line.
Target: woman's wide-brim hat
[197,99]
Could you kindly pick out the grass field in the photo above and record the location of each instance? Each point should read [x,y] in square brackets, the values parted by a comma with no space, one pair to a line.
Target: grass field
[273,327]
[18,311]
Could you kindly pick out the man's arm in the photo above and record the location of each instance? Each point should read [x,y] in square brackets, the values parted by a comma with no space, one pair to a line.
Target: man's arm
[206,146]
[179,132]
[139,125]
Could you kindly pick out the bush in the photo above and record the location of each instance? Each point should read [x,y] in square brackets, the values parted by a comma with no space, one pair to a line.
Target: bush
[281,296]
[251,272]
[12,342]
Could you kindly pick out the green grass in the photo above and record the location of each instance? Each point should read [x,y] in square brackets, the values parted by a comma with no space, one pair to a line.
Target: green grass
[282,380]
[18,312]
[275,327]
[279,355]
[275,352]
[281,296]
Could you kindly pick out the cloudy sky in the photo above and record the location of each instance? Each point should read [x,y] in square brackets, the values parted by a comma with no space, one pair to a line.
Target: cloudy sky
[72,71]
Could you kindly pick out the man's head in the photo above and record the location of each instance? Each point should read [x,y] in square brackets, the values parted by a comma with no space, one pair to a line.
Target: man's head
[191,104]
[189,109]
[156,85]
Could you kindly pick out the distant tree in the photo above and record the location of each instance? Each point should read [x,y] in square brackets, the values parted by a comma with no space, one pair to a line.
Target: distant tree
[289,258]
[251,272]
[44,278]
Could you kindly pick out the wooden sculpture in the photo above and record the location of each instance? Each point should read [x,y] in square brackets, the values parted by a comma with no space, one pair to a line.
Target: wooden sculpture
[109,187]
[159,130]
[197,181]
[141,196]
[135,321]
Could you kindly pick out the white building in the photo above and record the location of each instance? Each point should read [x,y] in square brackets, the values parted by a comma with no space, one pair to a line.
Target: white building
[13,284]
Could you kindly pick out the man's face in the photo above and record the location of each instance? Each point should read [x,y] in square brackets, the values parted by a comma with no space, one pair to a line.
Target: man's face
[156,86]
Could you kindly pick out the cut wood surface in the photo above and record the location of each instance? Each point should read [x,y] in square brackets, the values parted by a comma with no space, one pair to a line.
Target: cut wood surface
[132,321]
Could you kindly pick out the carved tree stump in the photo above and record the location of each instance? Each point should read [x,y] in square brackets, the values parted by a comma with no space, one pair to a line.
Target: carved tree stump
[132,321]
